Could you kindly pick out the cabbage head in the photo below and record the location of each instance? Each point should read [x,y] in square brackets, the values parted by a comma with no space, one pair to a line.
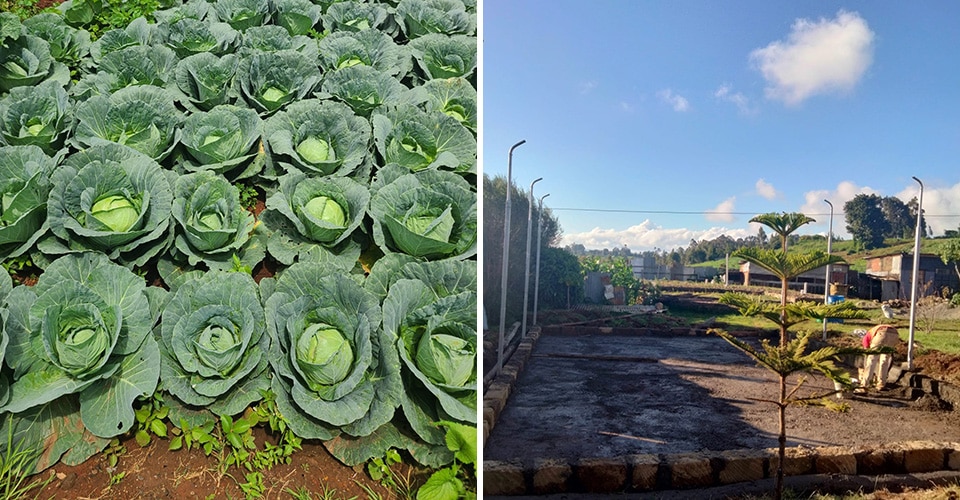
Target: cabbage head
[354,16]
[191,9]
[335,368]
[142,117]
[138,32]
[83,329]
[26,60]
[273,38]
[112,199]
[307,211]
[242,14]
[421,17]
[431,214]
[271,80]
[212,226]
[24,187]
[68,45]
[205,80]
[191,36]
[455,97]
[363,88]
[442,56]
[212,343]
[432,312]
[297,16]
[319,137]
[419,140]
[130,66]
[225,140]
[38,115]
[370,47]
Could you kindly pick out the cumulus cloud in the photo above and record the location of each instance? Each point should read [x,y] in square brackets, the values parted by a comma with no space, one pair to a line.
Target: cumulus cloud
[766,190]
[726,93]
[648,236]
[814,205]
[817,57]
[722,212]
[939,205]
[678,102]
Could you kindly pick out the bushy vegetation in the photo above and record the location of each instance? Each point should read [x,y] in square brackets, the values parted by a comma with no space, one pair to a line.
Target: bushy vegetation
[134,138]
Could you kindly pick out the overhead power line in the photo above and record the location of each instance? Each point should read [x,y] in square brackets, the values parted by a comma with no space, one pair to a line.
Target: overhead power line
[701,212]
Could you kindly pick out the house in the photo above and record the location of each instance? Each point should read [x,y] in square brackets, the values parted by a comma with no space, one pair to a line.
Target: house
[894,272]
[646,268]
[809,282]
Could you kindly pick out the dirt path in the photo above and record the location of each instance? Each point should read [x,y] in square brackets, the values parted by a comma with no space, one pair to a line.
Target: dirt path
[605,396]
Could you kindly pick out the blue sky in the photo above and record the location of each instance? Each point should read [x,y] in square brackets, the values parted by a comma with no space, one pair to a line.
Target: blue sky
[656,122]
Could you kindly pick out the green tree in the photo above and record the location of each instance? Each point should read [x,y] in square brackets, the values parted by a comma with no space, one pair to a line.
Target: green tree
[950,253]
[866,221]
[790,356]
[561,280]
[900,219]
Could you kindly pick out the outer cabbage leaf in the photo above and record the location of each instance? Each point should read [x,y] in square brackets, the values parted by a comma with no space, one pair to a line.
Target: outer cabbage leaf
[135,65]
[225,140]
[67,44]
[10,26]
[370,47]
[6,286]
[37,115]
[308,212]
[83,329]
[137,226]
[24,187]
[430,214]
[297,16]
[317,320]
[138,32]
[273,38]
[419,140]
[442,56]
[363,88]
[242,14]
[212,226]
[448,17]
[55,430]
[205,80]
[191,9]
[319,137]
[212,343]
[354,16]
[271,80]
[141,117]
[192,36]
[26,60]
[453,96]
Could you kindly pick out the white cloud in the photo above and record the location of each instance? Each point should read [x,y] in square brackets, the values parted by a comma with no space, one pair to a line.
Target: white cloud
[626,107]
[678,102]
[817,57]
[722,212]
[588,86]
[766,190]
[815,207]
[648,236]
[939,205]
[726,93]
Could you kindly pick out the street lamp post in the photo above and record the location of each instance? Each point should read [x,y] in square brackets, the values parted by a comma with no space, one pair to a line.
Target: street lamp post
[506,256]
[536,278]
[526,271]
[915,277]
[826,281]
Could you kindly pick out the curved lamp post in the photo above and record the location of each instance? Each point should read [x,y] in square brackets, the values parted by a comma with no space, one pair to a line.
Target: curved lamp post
[826,281]
[536,278]
[526,271]
[915,277]
[506,256]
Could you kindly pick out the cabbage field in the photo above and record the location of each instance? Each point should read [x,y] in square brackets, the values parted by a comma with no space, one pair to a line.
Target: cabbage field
[130,169]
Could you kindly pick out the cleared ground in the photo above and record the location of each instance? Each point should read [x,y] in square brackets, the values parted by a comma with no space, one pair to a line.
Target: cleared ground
[605,396]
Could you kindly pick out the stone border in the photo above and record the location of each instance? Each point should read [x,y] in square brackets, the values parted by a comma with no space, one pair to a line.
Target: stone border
[648,472]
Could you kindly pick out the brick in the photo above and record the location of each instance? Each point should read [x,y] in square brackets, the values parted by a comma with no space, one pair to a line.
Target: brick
[503,478]
[798,462]
[551,476]
[602,475]
[741,465]
[875,462]
[644,475]
[690,471]
[837,460]
[953,459]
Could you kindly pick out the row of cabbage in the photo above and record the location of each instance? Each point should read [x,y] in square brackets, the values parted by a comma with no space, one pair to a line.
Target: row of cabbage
[128,154]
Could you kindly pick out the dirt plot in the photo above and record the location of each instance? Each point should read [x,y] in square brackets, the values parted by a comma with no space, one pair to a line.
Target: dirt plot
[606,396]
